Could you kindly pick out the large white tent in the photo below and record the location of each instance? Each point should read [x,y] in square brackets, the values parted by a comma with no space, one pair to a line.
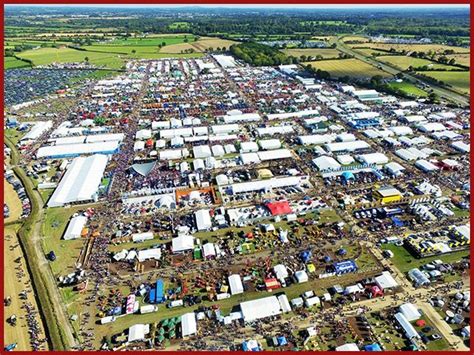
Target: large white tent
[260,308]
[81,181]
[235,283]
[74,229]
[188,324]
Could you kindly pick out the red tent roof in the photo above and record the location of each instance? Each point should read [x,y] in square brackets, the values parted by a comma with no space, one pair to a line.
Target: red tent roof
[279,207]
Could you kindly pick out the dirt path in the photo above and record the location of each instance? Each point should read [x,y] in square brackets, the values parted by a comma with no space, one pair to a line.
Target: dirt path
[12,201]
[16,280]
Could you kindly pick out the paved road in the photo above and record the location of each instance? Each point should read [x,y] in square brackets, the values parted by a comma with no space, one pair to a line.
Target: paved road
[442,92]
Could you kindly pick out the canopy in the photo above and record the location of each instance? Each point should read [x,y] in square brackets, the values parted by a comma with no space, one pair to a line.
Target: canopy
[279,207]
[144,169]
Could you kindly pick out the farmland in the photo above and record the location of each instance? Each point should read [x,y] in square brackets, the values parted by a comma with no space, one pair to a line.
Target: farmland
[404,62]
[459,81]
[437,48]
[151,41]
[199,46]
[408,88]
[326,53]
[13,63]
[463,59]
[353,68]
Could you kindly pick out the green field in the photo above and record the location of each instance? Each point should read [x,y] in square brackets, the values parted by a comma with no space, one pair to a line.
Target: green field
[153,41]
[13,63]
[353,68]
[370,51]
[408,88]
[44,56]
[403,62]
[179,25]
[324,52]
[459,80]
[404,261]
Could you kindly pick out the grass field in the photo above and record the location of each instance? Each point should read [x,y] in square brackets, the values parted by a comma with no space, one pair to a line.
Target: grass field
[369,51]
[438,48]
[404,261]
[355,38]
[458,80]
[13,202]
[13,63]
[152,41]
[199,46]
[351,67]
[403,62]
[13,285]
[324,52]
[67,251]
[463,59]
[408,88]
[44,56]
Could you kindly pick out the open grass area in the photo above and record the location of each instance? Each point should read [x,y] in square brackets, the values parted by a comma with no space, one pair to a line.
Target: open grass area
[13,63]
[353,68]
[408,88]
[67,251]
[459,80]
[324,52]
[201,45]
[44,56]
[370,51]
[463,59]
[438,48]
[404,261]
[152,41]
[404,62]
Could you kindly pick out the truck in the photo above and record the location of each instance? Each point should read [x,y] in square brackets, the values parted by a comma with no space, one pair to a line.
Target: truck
[108,319]
[176,303]
[148,308]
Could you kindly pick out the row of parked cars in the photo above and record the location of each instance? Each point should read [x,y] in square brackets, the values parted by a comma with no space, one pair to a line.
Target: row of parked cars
[20,190]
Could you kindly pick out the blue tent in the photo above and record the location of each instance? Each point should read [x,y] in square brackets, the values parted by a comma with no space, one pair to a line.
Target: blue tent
[347,175]
[282,341]
[372,347]
[305,255]
[397,222]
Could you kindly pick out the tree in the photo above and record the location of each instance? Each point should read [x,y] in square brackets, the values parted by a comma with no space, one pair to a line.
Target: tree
[134,51]
[433,97]
[86,59]
[452,61]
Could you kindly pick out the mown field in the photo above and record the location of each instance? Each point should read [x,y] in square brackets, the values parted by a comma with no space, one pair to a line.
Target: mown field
[13,63]
[463,59]
[458,80]
[353,68]
[199,46]
[324,52]
[438,48]
[151,41]
[404,62]
[370,51]
[408,88]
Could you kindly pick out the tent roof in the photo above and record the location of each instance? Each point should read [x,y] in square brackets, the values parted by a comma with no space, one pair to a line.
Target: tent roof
[144,169]
[279,207]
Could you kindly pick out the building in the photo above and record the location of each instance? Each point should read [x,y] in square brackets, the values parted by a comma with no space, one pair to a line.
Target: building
[373,158]
[235,284]
[74,150]
[203,220]
[387,194]
[326,163]
[385,281]
[408,329]
[81,181]
[346,146]
[418,278]
[137,332]
[348,347]
[410,312]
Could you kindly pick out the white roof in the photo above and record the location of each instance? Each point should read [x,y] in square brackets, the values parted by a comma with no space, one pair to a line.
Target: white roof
[373,158]
[222,179]
[225,128]
[274,154]
[415,118]
[202,151]
[348,146]
[249,158]
[284,304]
[317,139]
[176,132]
[425,165]
[69,150]
[265,184]
[281,116]
[410,312]
[346,137]
[270,144]
[386,281]
[140,237]
[401,130]
[203,220]
[188,324]
[208,249]
[137,332]
[280,271]
[143,134]
[260,308]
[394,167]
[171,154]
[324,163]
[37,130]
[431,127]
[461,146]
[271,130]
[182,243]
[235,283]
[218,150]
[348,347]
[246,147]
[301,276]
[81,181]
[74,229]
[243,117]
[409,330]
[149,254]
[225,61]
